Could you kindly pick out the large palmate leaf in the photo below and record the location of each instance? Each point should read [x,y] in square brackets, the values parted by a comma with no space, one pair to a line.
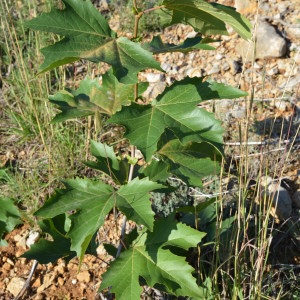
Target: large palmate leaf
[87,35]
[150,257]
[9,217]
[91,97]
[208,18]
[157,46]
[93,200]
[191,161]
[45,250]
[177,110]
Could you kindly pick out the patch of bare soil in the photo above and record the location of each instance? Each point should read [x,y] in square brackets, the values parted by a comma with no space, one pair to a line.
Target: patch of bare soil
[61,280]
[52,281]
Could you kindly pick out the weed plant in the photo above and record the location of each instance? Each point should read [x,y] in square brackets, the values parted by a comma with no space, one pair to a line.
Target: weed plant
[233,261]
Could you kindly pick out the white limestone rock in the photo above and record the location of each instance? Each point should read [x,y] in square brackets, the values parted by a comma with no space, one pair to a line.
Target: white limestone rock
[155,77]
[15,285]
[269,44]
[33,237]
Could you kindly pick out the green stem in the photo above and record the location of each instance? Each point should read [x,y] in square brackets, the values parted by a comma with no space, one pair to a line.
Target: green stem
[136,94]
[140,14]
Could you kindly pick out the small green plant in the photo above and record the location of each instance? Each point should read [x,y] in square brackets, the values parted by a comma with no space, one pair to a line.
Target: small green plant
[174,135]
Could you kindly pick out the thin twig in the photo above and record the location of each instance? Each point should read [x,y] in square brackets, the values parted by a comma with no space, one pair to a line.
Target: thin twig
[196,193]
[27,282]
[262,142]
[259,153]
[138,16]
[285,98]
[136,93]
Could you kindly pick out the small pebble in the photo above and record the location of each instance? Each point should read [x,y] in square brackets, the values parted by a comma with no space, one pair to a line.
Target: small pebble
[61,281]
[214,70]
[40,296]
[10,262]
[33,238]
[84,276]
[6,266]
[15,285]
[153,77]
[218,56]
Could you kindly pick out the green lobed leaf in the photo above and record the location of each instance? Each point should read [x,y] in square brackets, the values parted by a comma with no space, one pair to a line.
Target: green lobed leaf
[208,18]
[134,200]
[46,251]
[91,97]
[108,163]
[100,151]
[78,18]
[191,161]
[157,46]
[91,201]
[150,258]
[157,171]
[176,109]
[87,35]
[9,217]
[144,124]
[72,106]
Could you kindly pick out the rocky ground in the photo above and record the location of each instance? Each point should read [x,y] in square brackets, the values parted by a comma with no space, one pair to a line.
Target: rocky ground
[273,78]
[53,281]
